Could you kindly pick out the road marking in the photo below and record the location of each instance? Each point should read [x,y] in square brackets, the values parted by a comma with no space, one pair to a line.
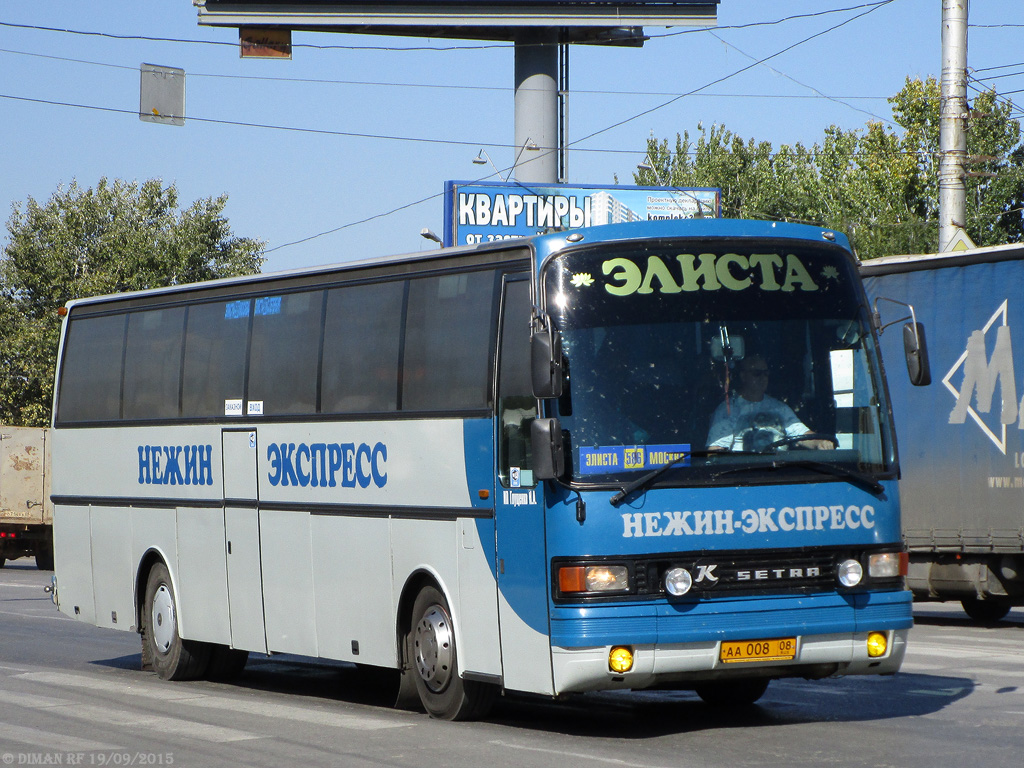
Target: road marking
[27,700]
[959,653]
[41,740]
[179,694]
[162,724]
[23,615]
[563,753]
[299,714]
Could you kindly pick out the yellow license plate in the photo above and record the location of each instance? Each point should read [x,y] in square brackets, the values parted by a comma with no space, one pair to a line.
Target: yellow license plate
[781,649]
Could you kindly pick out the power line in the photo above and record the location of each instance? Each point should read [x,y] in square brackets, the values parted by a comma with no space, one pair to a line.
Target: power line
[1005,74]
[999,66]
[449,86]
[188,41]
[818,94]
[874,7]
[269,126]
[318,131]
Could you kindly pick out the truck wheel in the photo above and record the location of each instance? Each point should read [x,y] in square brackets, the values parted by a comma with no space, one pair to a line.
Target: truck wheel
[733,693]
[44,555]
[985,611]
[435,665]
[172,657]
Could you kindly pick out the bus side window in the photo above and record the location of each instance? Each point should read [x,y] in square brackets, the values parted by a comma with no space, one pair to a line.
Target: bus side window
[91,376]
[214,363]
[447,340]
[152,363]
[362,334]
[517,406]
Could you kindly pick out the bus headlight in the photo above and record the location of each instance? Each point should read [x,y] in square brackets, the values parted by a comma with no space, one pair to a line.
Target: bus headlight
[850,573]
[678,581]
[593,578]
[884,565]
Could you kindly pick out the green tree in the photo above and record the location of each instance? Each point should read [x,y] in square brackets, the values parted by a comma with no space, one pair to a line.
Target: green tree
[119,236]
[878,186]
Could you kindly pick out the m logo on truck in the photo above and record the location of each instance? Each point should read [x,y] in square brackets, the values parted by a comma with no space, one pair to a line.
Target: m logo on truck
[981,373]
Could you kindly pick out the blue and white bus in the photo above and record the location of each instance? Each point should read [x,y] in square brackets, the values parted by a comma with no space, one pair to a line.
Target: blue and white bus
[492,468]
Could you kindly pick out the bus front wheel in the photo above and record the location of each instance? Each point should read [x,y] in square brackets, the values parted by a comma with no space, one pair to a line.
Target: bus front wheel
[733,693]
[171,657]
[434,660]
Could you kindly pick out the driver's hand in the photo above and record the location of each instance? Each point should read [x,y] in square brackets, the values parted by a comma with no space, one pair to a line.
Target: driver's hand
[818,445]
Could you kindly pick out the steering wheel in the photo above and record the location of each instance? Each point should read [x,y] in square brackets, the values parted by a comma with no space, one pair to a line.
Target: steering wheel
[794,439]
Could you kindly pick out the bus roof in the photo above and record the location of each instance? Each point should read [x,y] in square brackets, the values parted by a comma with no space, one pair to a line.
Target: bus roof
[542,245]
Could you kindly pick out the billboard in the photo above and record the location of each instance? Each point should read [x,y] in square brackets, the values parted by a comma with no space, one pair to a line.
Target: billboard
[471,19]
[478,212]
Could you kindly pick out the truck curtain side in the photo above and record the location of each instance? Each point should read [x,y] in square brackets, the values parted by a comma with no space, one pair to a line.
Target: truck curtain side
[961,439]
[26,513]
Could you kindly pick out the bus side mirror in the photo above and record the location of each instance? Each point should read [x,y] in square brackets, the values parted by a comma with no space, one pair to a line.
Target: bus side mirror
[546,364]
[548,449]
[915,350]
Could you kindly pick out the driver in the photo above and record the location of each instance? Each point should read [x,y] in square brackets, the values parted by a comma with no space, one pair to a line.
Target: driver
[751,420]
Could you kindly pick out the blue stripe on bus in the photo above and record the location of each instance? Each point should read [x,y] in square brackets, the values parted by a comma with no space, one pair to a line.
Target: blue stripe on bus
[743,619]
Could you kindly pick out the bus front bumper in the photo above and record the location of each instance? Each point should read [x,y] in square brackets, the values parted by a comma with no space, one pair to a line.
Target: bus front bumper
[677,666]
[671,646]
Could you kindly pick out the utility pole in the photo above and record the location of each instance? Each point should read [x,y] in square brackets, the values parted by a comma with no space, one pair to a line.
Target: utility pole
[952,122]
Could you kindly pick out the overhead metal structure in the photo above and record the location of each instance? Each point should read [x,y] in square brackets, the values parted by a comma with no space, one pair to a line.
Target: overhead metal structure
[540,30]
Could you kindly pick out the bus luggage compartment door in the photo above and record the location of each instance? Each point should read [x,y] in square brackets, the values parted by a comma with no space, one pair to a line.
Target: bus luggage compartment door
[242,541]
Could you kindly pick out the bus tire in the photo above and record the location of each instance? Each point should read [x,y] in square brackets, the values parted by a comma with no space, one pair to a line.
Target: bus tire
[434,661]
[733,693]
[226,663]
[985,611]
[172,658]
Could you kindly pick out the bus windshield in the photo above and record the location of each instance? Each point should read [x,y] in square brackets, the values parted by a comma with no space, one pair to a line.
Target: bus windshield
[728,360]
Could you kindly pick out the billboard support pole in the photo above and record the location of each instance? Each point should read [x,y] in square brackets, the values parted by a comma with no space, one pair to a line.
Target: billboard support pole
[536,106]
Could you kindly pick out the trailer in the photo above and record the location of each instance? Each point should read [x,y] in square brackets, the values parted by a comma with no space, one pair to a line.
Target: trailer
[26,512]
[961,438]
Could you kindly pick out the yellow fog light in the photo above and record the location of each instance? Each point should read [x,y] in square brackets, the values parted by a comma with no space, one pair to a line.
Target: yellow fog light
[620,659]
[878,644]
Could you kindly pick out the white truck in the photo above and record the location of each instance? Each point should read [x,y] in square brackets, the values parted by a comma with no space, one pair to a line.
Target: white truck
[26,513]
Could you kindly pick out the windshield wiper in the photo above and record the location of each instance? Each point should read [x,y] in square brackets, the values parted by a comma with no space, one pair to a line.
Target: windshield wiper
[645,481]
[857,478]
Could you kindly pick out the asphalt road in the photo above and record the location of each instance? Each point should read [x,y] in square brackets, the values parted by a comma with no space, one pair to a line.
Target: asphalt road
[72,694]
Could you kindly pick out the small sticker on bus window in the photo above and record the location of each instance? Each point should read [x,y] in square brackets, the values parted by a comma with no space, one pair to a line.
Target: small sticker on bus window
[631,458]
[234,310]
[255,408]
[268,305]
[233,407]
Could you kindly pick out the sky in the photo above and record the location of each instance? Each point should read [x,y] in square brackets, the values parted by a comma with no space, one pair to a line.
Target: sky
[342,152]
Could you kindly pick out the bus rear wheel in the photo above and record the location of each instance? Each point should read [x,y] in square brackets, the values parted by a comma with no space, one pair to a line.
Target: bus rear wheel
[430,645]
[171,657]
